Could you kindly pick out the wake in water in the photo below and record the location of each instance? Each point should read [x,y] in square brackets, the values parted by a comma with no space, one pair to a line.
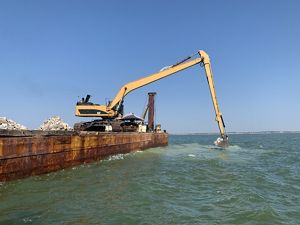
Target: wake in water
[211,147]
[229,148]
[250,182]
[120,156]
[115,157]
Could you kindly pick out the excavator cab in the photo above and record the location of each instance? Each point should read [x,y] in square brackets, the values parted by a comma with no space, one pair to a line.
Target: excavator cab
[85,101]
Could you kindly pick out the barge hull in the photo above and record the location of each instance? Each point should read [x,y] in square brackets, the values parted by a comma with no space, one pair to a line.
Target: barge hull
[23,156]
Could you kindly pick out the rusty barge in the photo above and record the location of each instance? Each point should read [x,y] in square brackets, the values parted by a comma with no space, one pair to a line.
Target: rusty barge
[27,153]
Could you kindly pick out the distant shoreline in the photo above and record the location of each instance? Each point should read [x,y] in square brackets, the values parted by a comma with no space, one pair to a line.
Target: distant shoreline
[244,132]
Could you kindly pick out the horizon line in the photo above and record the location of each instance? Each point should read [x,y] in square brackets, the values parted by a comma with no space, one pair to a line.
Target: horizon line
[235,132]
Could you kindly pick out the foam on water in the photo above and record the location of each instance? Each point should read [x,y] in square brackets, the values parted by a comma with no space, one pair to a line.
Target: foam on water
[115,157]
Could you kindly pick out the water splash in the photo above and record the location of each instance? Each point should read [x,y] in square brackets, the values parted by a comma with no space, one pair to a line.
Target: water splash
[115,157]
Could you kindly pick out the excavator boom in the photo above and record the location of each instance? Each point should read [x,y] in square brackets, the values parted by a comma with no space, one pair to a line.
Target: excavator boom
[85,108]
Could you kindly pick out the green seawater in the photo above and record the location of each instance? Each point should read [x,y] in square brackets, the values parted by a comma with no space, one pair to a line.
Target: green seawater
[255,181]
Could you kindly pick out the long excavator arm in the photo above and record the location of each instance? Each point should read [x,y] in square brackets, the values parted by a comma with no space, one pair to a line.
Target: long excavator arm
[150,79]
[87,109]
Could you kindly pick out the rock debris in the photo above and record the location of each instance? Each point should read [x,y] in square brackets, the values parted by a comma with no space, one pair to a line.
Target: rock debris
[54,123]
[8,124]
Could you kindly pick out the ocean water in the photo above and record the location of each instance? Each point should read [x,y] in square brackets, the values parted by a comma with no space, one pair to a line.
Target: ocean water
[255,181]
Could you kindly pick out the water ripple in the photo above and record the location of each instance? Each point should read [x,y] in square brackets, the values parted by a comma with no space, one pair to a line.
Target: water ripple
[255,181]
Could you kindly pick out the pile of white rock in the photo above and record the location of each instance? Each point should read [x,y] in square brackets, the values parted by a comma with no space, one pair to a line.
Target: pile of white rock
[8,124]
[54,123]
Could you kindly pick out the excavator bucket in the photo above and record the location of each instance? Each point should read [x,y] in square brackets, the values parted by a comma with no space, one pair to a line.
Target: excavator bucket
[222,142]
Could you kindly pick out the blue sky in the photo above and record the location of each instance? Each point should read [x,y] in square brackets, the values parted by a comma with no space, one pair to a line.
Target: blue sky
[51,52]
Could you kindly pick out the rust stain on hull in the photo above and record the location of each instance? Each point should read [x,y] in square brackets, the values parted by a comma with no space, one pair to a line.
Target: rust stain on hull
[25,156]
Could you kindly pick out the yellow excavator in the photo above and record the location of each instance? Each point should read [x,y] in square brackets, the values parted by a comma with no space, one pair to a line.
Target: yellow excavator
[114,108]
